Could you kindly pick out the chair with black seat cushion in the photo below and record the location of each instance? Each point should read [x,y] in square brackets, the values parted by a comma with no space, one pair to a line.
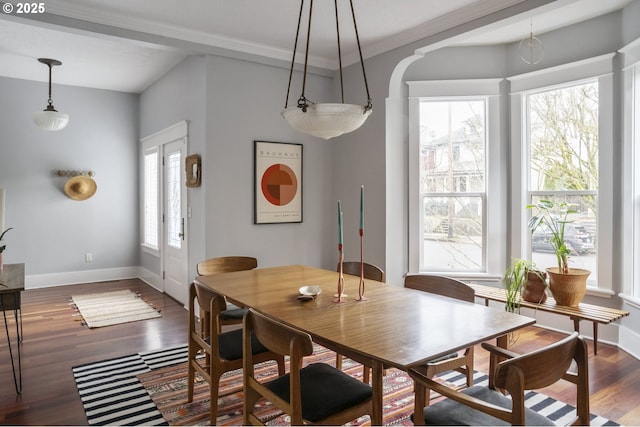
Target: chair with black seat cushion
[216,353]
[226,264]
[452,288]
[315,394]
[481,405]
[371,272]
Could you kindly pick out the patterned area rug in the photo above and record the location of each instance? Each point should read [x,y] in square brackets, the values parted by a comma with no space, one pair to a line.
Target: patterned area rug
[112,308]
[150,389]
[167,388]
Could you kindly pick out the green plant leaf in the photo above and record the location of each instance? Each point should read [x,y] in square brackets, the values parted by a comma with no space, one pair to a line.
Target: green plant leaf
[5,232]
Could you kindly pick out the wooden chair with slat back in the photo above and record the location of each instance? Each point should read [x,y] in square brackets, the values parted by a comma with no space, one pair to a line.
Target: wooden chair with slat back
[315,394]
[226,264]
[482,405]
[222,351]
[371,272]
[452,288]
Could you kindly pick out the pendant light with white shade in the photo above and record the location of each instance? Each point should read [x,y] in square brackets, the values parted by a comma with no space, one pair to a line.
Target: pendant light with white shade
[50,118]
[325,120]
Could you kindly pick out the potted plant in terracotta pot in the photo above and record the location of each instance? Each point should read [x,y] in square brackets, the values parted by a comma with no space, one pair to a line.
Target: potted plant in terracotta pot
[524,282]
[568,285]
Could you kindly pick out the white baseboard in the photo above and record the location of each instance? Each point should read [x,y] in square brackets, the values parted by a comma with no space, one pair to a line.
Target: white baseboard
[630,342]
[35,281]
[151,279]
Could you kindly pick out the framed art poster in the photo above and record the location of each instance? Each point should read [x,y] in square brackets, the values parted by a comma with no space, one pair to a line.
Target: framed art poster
[277,182]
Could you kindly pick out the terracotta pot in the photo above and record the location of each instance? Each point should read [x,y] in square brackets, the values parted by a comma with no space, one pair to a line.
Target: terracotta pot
[568,289]
[536,289]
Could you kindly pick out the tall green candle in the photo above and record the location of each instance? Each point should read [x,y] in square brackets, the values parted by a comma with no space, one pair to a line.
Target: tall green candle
[362,207]
[339,222]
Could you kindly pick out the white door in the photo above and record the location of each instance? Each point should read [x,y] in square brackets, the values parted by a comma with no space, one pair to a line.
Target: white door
[174,253]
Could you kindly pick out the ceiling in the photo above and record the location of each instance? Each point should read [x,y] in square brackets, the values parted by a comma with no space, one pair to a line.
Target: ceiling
[126,45]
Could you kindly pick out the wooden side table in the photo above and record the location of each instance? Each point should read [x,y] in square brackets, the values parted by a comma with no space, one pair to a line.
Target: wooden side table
[11,285]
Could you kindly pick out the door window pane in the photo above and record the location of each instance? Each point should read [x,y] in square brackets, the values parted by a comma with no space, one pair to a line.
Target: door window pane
[174,216]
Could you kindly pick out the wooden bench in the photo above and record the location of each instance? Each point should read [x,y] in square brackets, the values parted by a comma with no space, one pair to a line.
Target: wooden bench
[589,312]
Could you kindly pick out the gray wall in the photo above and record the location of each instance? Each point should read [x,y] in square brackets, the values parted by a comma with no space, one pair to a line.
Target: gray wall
[228,104]
[52,233]
[245,100]
[181,94]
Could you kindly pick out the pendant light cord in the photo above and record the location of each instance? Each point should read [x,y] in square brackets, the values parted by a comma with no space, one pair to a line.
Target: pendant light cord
[369,106]
[50,99]
[339,52]
[303,103]
[293,57]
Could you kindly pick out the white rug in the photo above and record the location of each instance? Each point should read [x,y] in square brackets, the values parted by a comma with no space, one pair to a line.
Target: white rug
[112,308]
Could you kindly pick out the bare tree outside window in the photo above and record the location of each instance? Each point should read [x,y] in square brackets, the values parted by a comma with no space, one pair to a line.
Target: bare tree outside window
[563,166]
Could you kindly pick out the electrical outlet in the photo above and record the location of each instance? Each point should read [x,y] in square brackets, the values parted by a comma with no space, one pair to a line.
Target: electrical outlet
[88,257]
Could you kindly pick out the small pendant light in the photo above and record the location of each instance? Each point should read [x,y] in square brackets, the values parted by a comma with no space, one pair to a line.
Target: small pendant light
[50,118]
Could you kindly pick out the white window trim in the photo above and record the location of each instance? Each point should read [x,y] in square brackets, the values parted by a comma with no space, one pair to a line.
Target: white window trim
[600,67]
[630,238]
[495,200]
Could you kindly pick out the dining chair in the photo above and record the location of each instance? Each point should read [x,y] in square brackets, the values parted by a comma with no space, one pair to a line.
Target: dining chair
[371,272]
[222,351]
[315,394]
[452,288]
[485,405]
[226,264]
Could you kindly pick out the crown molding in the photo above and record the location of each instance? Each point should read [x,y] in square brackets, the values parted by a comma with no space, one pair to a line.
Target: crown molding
[163,31]
[448,21]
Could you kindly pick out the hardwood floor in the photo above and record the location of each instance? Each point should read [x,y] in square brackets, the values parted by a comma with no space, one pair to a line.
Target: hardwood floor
[54,343]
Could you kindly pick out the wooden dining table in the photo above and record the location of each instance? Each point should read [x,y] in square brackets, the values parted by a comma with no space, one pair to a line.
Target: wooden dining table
[394,326]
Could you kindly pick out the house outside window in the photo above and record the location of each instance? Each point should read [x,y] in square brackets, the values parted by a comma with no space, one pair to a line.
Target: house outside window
[453,130]
[453,223]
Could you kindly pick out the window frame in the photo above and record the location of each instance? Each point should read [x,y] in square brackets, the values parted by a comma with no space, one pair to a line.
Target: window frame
[494,199]
[600,68]
[630,215]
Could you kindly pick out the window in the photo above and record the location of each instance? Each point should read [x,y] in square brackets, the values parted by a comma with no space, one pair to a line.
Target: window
[562,130]
[562,145]
[453,135]
[630,215]
[150,201]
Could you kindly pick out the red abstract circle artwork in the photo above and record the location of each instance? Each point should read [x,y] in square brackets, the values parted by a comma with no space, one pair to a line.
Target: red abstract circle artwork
[279,184]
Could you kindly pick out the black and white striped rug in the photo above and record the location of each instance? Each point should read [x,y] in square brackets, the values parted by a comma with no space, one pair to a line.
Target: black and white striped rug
[112,394]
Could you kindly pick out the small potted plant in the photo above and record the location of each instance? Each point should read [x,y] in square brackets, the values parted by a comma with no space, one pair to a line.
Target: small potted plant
[568,285]
[524,282]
